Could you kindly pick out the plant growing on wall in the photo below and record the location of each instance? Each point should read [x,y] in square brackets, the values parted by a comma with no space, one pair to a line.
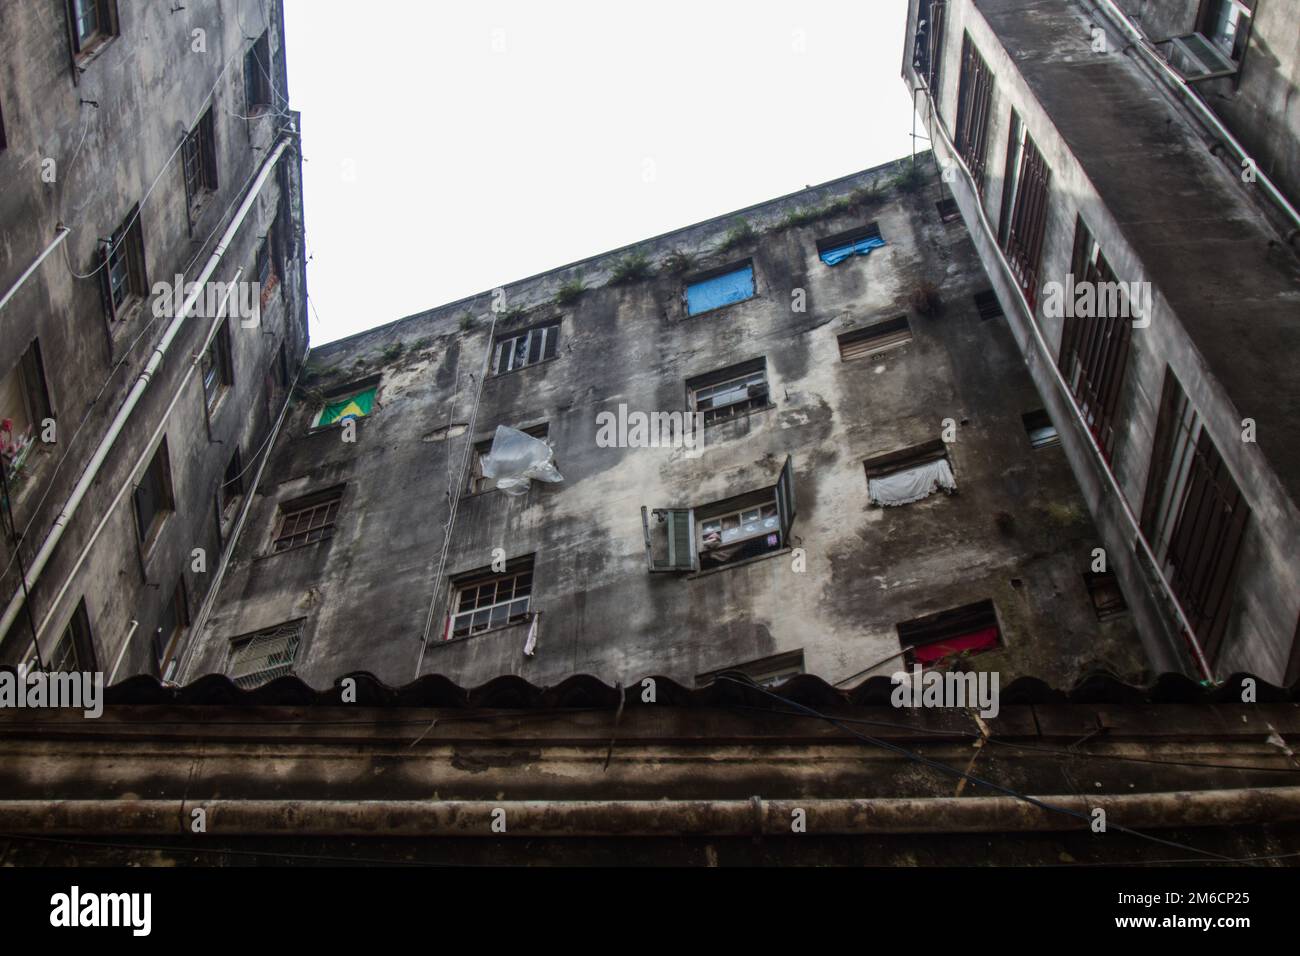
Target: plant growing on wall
[739,234]
[633,266]
[569,292]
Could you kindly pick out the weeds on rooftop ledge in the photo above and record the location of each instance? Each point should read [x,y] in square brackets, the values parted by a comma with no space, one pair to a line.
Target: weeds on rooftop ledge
[678,262]
[802,216]
[393,351]
[466,321]
[633,266]
[739,234]
[509,315]
[910,179]
[569,292]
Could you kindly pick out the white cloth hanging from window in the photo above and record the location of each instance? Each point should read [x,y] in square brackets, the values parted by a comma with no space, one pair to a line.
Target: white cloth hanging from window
[912,484]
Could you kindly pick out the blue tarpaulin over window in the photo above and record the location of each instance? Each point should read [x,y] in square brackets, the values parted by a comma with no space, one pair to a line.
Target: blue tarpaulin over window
[720,290]
[861,247]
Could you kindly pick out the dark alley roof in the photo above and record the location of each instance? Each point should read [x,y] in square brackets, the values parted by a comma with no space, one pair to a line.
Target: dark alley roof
[585,691]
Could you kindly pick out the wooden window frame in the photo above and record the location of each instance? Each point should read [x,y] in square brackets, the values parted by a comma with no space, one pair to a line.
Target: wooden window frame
[320,511]
[165,503]
[125,251]
[476,581]
[541,344]
[199,163]
[217,362]
[259,87]
[949,625]
[86,45]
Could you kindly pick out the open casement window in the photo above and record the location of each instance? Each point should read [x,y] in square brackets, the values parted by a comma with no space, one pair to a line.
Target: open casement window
[1217,49]
[1194,516]
[725,532]
[974,98]
[216,366]
[199,162]
[913,474]
[713,290]
[123,283]
[24,405]
[259,658]
[529,347]
[154,500]
[172,623]
[971,629]
[730,392]
[484,600]
[479,482]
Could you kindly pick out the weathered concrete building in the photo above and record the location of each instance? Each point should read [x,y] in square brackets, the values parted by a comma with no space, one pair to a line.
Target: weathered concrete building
[1084,152]
[877,485]
[139,144]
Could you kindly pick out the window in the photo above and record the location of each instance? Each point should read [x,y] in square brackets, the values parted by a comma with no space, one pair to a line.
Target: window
[216,366]
[258,89]
[1104,592]
[1218,49]
[725,532]
[1040,429]
[171,625]
[24,405]
[153,496]
[845,245]
[1094,351]
[121,264]
[259,658]
[987,304]
[75,650]
[1194,516]
[480,483]
[199,162]
[903,477]
[483,601]
[948,211]
[974,97]
[875,339]
[307,520]
[971,629]
[92,22]
[767,672]
[348,404]
[724,287]
[232,483]
[529,347]
[927,52]
[731,392]
[1024,203]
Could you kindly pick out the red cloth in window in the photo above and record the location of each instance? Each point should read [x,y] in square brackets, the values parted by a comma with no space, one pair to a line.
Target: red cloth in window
[975,641]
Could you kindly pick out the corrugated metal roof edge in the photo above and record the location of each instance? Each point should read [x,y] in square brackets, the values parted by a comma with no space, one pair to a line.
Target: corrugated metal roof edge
[583,690]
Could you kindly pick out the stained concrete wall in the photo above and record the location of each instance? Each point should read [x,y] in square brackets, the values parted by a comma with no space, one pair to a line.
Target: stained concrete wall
[149,86]
[1166,211]
[1017,532]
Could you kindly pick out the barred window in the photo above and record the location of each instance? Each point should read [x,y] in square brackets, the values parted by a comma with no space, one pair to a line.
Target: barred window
[307,520]
[261,657]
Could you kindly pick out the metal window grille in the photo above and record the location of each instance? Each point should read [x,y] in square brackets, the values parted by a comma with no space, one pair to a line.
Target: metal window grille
[1094,351]
[307,523]
[1194,516]
[1024,242]
[495,601]
[264,656]
[974,98]
[987,304]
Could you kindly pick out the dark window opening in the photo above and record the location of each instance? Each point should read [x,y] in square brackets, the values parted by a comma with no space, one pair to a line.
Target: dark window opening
[971,629]
[1103,591]
[927,49]
[199,162]
[484,601]
[766,672]
[91,23]
[216,366]
[171,625]
[306,520]
[75,650]
[261,657]
[845,245]
[529,347]
[24,406]
[948,211]
[480,483]
[154,500]
[974,99]
[910,475]
[1038,425]
[258,87]
[987,304]
[121,263]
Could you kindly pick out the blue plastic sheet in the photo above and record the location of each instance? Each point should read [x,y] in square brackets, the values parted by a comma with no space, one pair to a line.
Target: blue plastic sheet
[720,290]
[862,247]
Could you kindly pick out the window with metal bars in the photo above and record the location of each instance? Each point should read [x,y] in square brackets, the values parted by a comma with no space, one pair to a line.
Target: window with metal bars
[486,601]
[1094,350]
[1024,204]
[529,347]
[306,520]
[987,304]
[767,672]
[927,55]
[730,392]
[974,98]
[199,162]
[121,262]
[259,658]
[875,339]
[1193,516]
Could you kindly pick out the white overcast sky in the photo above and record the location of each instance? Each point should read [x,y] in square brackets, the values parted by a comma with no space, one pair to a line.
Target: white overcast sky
[453,147]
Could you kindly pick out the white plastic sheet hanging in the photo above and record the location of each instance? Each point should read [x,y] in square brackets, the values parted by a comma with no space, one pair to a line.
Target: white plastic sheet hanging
[912,484]
[516,459]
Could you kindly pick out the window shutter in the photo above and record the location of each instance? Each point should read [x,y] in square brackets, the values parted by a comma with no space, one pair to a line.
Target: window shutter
[679,535]
[785,504]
